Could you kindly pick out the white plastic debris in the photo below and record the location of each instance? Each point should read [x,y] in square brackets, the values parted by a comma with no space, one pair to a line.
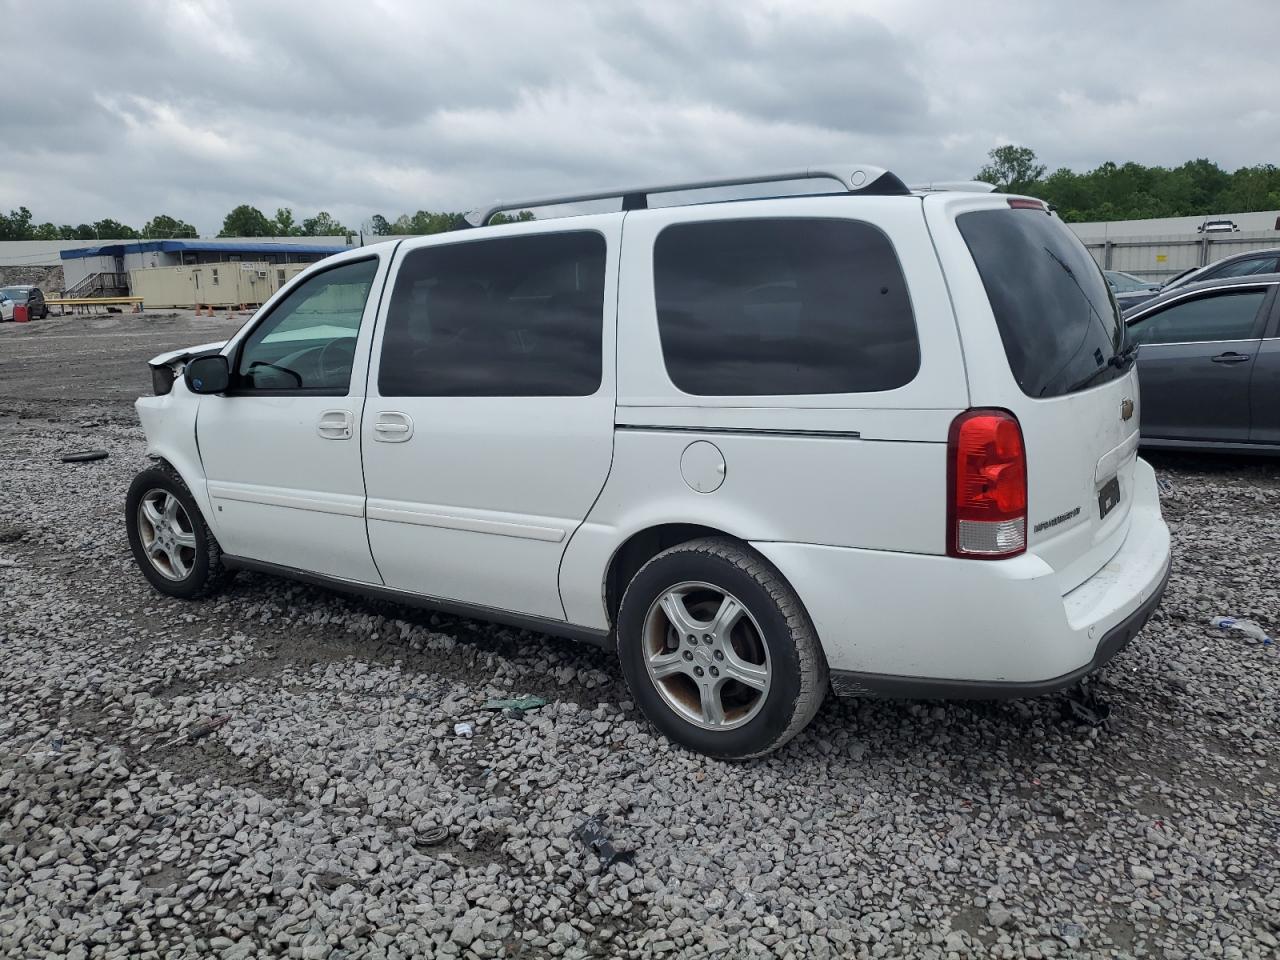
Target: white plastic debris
[1245,628]
[464,729]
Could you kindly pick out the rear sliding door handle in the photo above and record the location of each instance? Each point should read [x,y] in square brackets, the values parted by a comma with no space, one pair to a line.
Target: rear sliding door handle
[335,425]
[1231,357]
[392,427]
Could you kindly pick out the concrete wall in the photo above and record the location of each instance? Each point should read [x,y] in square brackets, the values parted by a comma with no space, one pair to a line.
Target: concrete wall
[219,285]
[1160,258]
[1168,226]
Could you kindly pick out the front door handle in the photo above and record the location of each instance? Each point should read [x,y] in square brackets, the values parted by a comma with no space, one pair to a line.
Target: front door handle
[1231,357]
[335,425]
[392,427]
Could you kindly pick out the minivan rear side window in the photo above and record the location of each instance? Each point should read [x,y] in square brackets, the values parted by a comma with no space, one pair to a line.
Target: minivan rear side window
[762,307]
[508,317]
[1057,318]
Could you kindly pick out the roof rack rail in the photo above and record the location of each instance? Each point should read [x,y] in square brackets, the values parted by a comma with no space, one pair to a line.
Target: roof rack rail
[965,186]
[856,178]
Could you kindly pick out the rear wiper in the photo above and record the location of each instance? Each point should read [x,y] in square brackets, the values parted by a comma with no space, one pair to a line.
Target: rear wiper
[1124,359]
[1121,361]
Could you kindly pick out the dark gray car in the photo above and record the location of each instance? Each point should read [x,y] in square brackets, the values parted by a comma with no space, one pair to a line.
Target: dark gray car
[1237,265]
[1209,365]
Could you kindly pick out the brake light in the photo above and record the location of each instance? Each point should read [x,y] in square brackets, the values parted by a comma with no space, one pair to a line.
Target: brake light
[986,486]
[1022,203]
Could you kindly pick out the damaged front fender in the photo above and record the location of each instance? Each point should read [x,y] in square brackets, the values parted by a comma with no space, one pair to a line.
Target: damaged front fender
[165,367]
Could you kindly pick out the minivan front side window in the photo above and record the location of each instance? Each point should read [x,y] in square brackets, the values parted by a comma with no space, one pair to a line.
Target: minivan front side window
[308,342]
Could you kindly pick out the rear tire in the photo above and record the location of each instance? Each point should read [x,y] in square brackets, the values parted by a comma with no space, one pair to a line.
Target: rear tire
[171,543]
[718,650]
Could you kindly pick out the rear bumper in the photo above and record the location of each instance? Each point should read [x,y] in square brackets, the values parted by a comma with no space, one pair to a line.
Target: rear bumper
[912,625]
[852,683]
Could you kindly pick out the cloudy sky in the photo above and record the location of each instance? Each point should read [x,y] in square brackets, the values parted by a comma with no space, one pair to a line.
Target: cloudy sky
[129,109]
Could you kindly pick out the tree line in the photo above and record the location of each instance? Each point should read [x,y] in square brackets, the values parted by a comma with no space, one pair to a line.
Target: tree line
[18,226]
[244,221]
[1132,191]
[1110,191]
[249,221]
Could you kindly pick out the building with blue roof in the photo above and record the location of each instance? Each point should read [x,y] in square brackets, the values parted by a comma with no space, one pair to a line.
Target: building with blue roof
[105,269]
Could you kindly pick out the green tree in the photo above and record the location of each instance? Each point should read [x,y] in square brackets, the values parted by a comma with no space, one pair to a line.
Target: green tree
[246,221]
[284,225]
[1253,188]
[84,231]
[524,216]
[109,229]
[424,222]
[46,231]
[165,227]
[379,226]
[17,225]
[1012,169]
[322,225]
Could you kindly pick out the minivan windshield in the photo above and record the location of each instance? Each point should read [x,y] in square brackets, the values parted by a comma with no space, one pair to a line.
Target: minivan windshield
[1061,327]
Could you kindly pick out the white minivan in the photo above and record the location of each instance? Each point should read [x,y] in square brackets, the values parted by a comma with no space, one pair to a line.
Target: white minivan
[878,440]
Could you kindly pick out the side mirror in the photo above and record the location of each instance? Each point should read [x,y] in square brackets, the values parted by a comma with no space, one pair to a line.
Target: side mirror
[207,374]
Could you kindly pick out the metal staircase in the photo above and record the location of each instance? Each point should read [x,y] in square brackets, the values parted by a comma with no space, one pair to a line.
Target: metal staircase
[105,284]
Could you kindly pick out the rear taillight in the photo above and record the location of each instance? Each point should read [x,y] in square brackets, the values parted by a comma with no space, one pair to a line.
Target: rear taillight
[986,486]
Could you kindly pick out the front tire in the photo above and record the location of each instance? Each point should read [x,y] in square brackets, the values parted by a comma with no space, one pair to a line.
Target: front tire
[172,545]
[718,650]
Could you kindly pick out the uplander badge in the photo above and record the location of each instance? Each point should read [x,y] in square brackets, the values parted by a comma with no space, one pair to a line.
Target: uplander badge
[1060,518]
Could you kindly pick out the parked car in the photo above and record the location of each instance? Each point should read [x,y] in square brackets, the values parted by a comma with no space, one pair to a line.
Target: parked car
[23,295]
[880,441]
[1130,290]
[1238,265]
[1209,365]
[1218,226]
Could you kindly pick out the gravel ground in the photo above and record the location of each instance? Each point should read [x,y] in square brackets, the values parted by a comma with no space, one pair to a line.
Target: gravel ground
[337,814]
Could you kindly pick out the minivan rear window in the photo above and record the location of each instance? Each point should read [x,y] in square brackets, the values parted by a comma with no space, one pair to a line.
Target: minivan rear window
[758,307]
[1057,318]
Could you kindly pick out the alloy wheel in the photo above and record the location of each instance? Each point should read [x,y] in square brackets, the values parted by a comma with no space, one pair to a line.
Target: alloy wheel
[706,656]
[167,537]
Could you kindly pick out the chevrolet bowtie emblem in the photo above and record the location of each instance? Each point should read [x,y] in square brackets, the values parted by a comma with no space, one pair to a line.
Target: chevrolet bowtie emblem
[1126,409]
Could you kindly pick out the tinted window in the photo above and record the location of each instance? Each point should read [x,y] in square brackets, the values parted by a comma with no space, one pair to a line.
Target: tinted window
[789,306]
[510,317]
[1123,283]
[1228,316]
[308,341]
[1056,316]
[1241,268]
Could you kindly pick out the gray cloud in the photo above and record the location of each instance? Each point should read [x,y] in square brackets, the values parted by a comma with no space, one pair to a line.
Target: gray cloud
[193,107]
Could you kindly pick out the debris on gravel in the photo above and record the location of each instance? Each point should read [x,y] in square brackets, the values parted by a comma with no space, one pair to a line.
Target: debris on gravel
[336,814]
